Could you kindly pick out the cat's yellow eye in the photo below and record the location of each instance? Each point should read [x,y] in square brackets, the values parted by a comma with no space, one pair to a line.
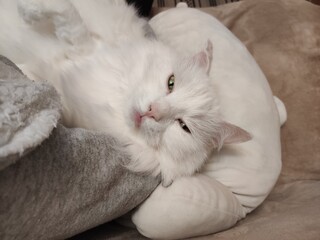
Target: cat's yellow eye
[184,126]
[171,83]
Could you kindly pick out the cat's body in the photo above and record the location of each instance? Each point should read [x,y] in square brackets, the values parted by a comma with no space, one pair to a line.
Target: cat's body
[112,78]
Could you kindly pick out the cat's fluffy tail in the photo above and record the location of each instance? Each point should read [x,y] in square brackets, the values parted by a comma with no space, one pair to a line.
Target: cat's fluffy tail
[281,110]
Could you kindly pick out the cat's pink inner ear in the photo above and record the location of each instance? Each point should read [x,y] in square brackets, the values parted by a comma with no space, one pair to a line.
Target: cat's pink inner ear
[203,58]
[229,134]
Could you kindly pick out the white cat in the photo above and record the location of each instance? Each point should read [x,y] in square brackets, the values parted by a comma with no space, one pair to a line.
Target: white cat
[112,78]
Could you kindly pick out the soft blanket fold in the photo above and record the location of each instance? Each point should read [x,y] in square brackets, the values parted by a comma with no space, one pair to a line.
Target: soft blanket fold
[72,182]
[28,112]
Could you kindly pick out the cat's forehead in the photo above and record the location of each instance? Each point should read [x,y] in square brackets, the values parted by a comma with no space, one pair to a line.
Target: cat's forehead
[159,51]
[193,83]
[194,102]
[196,98]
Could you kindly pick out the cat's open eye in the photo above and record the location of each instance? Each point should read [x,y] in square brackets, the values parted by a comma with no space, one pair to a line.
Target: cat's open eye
[184,126]
[171,83]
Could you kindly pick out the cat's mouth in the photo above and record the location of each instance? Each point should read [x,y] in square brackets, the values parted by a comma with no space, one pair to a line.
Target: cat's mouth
[138,118]
[147,126]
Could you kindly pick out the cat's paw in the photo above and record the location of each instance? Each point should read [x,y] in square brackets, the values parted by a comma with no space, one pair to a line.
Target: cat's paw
[31,11]
[142,159]
[166,182]
[167,176]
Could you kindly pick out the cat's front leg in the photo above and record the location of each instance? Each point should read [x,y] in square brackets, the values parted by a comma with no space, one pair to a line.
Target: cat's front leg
[143,159]
[166,182]
[31,11]
[147,160]
[68,24]
[173,167]
[34,11]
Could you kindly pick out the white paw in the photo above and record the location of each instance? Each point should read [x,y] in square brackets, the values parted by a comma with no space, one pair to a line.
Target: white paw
[166,182]
[142,159]
[31,11]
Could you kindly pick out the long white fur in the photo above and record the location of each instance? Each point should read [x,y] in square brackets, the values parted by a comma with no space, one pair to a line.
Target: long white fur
[96,55]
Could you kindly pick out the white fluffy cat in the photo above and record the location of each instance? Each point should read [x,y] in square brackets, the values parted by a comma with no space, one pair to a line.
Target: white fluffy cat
[114,79]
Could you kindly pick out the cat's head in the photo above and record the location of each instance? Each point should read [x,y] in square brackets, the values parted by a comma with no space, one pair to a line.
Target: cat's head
[174,108]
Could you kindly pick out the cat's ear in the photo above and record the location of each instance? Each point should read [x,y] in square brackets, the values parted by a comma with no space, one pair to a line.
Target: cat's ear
[228,134]
[203,59]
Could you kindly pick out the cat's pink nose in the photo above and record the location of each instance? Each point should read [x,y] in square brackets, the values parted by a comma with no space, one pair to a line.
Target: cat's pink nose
[153,113]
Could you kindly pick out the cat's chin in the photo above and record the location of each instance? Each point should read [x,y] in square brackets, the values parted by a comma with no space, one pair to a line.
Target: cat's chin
[147,130]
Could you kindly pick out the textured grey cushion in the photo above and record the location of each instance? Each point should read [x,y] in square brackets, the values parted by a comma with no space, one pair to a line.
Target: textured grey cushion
[28,112]
[73,181]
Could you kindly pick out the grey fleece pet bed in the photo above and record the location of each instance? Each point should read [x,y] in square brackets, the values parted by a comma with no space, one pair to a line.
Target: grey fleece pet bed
[56,182]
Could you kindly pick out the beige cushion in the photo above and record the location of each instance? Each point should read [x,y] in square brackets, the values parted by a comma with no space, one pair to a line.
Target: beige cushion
[239,177]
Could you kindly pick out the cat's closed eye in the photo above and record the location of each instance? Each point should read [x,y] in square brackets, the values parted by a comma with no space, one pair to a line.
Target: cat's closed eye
[171,83]
[184,126]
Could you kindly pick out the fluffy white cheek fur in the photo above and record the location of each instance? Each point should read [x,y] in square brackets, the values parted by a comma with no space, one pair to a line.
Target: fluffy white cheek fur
[152,131]
[181,154]
[147,128]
